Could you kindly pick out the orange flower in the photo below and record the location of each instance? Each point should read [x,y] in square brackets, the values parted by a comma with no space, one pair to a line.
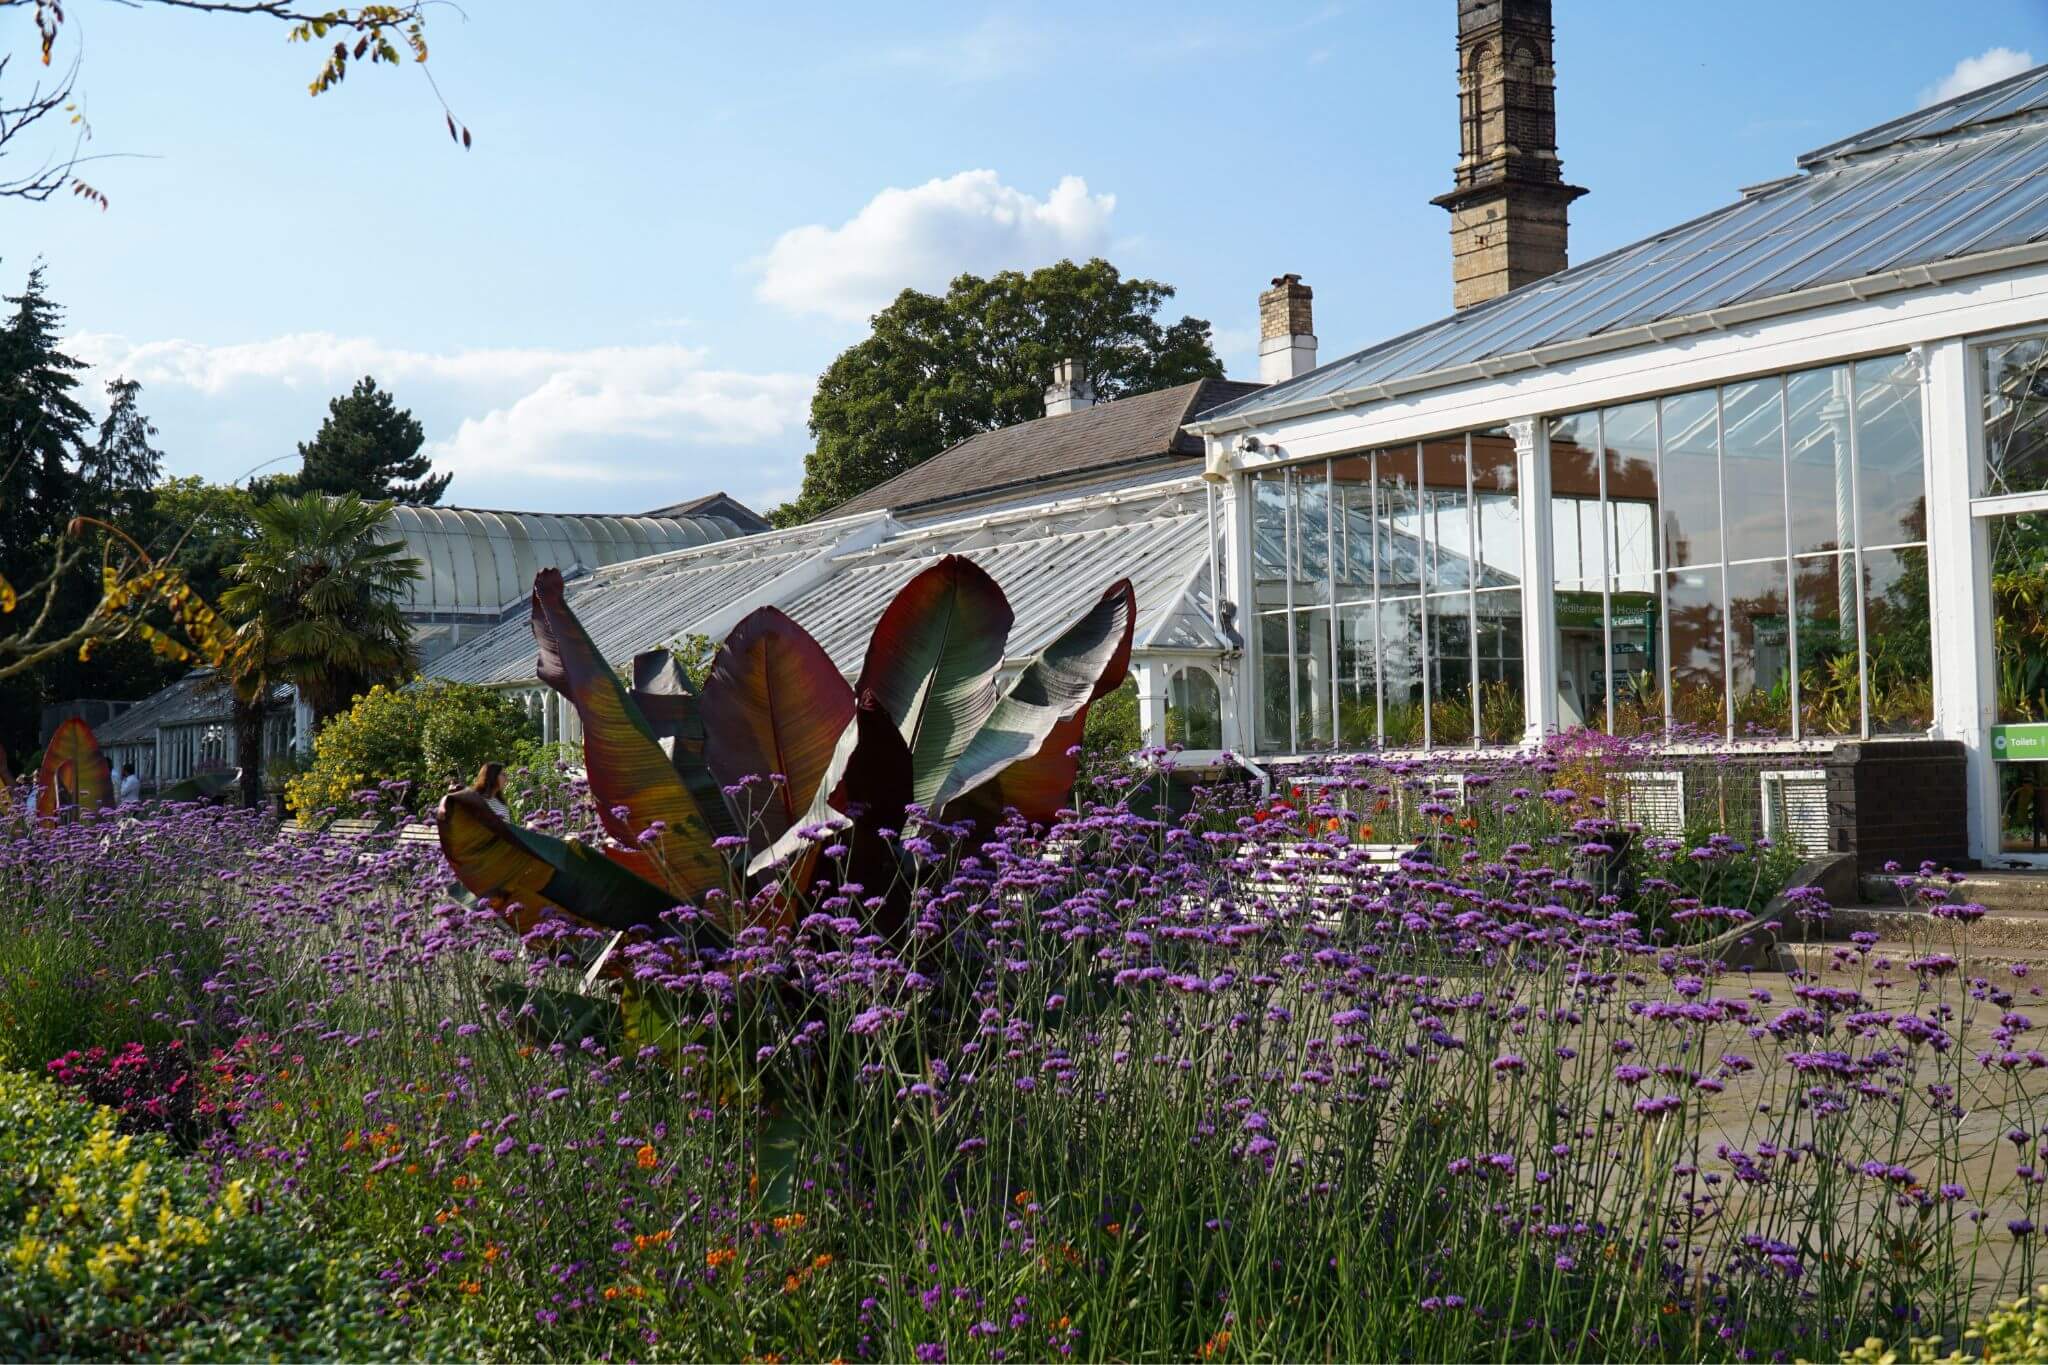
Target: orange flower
[645,1240]
[719,1256]
[465,1182]
[647,1158]
[790,1284]
[1114,1229]
[786,1221]
[491,1252]
[412,1168]
[1215,1345]
[1023,1198]
[472,1287]
[821,1260]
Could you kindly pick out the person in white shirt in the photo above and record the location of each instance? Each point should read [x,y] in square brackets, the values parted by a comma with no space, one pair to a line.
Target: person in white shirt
[131,786]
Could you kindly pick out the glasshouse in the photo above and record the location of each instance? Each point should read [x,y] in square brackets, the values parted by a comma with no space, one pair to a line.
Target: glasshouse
[1771,483]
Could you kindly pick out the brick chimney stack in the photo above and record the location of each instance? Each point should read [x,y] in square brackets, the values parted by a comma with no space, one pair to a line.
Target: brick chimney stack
[1508,200]
[1287,330]
[1070,390]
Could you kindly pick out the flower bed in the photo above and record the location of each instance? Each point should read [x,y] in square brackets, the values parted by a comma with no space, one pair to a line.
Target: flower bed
[1222,1084]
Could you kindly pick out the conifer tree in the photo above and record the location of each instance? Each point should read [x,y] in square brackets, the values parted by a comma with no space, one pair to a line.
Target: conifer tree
[368,446]
[119,469]
[42,431]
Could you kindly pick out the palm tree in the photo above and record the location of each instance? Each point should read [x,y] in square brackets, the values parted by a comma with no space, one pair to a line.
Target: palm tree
[316,598]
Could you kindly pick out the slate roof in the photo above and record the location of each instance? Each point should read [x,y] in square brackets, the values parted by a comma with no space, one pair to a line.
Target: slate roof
[720,504]
[1141,429]
[185,702]
[1956,189]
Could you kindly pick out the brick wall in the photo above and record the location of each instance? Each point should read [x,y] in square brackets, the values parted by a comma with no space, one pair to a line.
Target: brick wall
[1899,800]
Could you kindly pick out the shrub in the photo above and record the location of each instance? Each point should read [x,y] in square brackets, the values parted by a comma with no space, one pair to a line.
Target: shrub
[422,737]
[110,1246]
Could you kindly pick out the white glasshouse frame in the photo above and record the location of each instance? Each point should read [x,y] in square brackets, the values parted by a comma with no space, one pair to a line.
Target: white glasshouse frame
[1937,314]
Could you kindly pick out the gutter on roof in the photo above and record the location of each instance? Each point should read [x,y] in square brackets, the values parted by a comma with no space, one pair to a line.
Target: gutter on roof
[1649,333]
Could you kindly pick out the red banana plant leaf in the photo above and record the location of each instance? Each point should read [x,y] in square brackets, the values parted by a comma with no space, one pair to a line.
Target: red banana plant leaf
[668,699]
[74,773]
[523,873]
[1019,758]
[932,662]
[774,703]
[628,769]
[864,790]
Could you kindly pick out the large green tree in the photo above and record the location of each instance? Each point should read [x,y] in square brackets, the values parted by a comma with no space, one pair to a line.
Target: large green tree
[43,430]
[368,446]
[938,369]
[118,469]
[316,602]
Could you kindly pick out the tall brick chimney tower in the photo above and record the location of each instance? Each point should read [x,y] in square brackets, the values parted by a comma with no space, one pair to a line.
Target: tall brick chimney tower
[1508,200]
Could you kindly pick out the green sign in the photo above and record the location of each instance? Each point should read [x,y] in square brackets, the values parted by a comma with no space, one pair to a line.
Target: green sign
[2020,743]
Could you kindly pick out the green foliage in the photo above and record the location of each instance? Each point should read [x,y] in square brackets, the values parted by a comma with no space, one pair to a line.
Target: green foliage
[1114,730]
[113,1246]
[2016,1332]
[938,369]
[119,467]
[316,601]
[1739,874]
[370,447]
[425,736]
[693,655]
[204,526]
[43,431]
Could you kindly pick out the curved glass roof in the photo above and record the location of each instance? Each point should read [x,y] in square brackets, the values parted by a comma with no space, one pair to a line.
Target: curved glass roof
[478,562]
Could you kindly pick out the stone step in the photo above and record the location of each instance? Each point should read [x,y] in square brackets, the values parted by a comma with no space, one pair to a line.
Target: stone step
[1995,891]
[1890,958]
[2011,931]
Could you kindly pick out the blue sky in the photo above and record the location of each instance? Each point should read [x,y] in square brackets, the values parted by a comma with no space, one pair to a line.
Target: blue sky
[675,214]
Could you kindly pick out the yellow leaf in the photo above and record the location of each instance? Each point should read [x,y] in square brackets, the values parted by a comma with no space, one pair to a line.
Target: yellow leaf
[7,599]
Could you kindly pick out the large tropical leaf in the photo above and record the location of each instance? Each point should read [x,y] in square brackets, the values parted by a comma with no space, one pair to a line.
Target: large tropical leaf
[629,772]
[932,662]
[665,695]
[524,872]
[774,704]
[1087,662]
[74,773]
[865,790]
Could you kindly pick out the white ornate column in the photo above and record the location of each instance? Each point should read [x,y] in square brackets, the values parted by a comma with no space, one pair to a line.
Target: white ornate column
[1233,506]
[1152,704]
[1959,569]
[1539,599]
[302,724]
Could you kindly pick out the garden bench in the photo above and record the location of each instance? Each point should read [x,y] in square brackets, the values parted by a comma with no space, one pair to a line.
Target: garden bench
[419,832]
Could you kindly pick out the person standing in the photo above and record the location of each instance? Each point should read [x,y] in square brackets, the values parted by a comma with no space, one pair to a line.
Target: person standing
[131,786]
[490,784]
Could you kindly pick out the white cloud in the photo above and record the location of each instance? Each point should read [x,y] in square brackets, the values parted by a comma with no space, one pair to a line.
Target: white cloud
[923,237]
[499,418]
[656,394]
[1994,64]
